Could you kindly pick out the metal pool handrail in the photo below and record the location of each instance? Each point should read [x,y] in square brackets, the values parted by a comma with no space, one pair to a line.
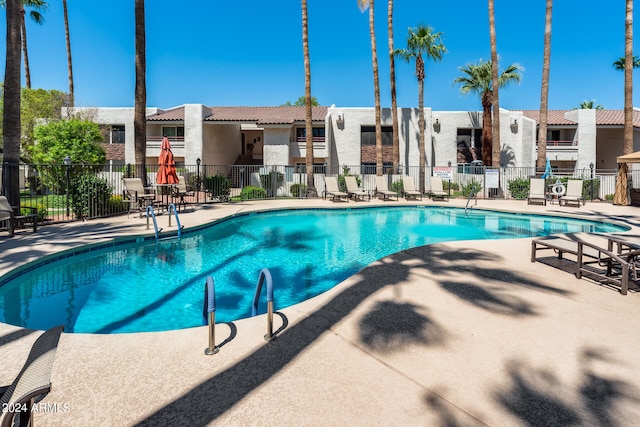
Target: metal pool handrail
[471,194]
[209,314]
[155,223]
[175,212]
[265,274]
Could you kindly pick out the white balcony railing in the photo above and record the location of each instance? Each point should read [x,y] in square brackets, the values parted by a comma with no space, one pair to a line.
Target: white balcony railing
[558,143]
[155,141]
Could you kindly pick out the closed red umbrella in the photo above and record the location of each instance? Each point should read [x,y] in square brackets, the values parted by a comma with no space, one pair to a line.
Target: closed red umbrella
[167,170]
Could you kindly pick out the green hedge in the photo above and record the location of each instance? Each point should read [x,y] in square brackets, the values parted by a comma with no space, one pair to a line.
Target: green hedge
[251,192]
[218,186]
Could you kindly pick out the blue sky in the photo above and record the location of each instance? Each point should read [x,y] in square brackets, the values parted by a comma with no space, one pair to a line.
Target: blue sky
[250,52]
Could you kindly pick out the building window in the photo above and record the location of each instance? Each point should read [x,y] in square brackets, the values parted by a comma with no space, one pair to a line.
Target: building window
[173,131]
[318,134]
[369,168]
[368,135]
[117,134]
[553,135]
[317,168]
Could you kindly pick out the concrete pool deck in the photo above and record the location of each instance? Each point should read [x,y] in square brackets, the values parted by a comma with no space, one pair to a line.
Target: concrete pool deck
[460,333]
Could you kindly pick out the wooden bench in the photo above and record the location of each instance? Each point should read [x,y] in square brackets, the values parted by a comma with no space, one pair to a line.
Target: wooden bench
[587,253]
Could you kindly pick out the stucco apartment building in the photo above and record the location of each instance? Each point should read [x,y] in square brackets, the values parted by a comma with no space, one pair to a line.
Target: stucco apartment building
[346,136]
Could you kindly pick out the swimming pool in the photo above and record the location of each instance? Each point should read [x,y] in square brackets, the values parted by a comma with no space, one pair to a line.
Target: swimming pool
[146,285]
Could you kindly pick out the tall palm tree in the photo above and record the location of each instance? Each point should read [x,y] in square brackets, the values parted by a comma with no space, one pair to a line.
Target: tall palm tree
[422,41]
[627,145]
[69,62]
[495,131]
[11,110]
[139,115]
[477,78]
[544,92]
[619,64]
[363,5]
[394,102]
[311,188]
[36,16]
[37,6]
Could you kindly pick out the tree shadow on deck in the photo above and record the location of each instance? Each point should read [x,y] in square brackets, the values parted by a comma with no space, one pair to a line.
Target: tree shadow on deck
[388,325]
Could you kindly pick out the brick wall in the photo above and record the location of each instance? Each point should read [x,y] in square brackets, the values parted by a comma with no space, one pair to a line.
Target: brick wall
[114,151]
[368,154]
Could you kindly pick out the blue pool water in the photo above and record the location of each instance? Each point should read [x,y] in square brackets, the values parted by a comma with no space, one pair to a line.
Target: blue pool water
[155,286]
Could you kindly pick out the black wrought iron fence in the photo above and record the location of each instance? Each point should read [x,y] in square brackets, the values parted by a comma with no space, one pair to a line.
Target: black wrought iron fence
[77,192]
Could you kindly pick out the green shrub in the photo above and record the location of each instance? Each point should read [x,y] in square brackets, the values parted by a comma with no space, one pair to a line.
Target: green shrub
[90,196]
[298,189]
[251,192]
[41,212]
[609,197]
[519,188]
[116,204]
[397,186]
[472,187]
[342,185]
[218,186]
[448,185]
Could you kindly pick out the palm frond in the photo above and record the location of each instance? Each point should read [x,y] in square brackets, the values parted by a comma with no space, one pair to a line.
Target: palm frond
[363,5]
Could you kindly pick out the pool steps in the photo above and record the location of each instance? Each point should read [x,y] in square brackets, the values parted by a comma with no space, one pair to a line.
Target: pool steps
[151,213]
[209,308]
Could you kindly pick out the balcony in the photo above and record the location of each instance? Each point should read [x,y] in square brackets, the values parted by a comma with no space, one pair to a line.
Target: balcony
[156,141]
[562,150]
[558,143]
[318,142]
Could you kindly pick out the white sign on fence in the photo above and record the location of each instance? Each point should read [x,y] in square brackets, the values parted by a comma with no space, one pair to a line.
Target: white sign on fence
[443,172]
[492,178]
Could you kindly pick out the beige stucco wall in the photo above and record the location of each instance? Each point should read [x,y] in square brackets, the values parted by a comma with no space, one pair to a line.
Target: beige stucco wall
[609,146]
[585,135]
[276,145]
[221,144]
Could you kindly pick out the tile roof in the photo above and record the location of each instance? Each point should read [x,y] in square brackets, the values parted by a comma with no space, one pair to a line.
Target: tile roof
[265,115]
[603,117]
[554,117]
[259,115]
[616,117]
[168,115]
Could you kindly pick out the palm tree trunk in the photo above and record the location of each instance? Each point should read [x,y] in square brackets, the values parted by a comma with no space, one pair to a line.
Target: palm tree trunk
[139,115]
[23,26]
[544,92]
[487,123]
[311,188]
[376,88]
[69,62]
[627,146]
[495,133]
[421,123]
[11,111]
[394,102]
